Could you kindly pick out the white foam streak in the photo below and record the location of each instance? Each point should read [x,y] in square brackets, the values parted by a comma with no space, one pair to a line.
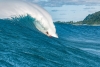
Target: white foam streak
[94,51]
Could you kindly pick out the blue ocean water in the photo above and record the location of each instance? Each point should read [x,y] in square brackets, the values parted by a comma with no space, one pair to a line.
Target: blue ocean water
[22,46]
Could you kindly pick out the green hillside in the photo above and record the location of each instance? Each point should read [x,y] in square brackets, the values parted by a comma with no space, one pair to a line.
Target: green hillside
[92,19]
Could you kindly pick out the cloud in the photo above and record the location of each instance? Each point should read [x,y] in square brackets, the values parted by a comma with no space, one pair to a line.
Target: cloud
[65,2]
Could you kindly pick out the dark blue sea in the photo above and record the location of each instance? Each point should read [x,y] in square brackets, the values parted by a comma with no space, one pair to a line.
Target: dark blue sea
[21,46]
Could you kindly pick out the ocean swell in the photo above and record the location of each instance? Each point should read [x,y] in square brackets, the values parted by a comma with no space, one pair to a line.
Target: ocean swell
[22,46]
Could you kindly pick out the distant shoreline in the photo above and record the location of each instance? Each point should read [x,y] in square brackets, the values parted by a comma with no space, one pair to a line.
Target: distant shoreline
[91,20]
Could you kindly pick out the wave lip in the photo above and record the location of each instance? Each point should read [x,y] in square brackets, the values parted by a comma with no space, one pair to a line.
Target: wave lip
[44,22]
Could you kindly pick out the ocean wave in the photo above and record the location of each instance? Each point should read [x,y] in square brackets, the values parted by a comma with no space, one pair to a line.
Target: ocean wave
[43,21]
[23,46]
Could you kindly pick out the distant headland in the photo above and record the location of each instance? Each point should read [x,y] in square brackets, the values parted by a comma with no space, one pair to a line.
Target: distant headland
[91,19]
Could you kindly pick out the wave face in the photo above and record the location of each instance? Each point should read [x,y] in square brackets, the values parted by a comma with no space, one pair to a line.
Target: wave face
[15,8]
[21,46]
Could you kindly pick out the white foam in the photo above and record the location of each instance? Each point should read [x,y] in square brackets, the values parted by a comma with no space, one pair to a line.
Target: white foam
[94,51]
[14,8]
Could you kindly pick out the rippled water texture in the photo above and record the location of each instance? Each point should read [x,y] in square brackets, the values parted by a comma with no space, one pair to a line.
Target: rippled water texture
[77,46]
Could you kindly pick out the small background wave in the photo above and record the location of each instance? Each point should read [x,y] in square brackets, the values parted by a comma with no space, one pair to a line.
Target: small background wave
[21,45]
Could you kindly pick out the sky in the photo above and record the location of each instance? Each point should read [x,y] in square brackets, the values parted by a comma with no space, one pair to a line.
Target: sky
[70,2]
[72,12]
[69,10]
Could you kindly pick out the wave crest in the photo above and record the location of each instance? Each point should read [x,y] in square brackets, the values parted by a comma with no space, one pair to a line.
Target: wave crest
[20,8]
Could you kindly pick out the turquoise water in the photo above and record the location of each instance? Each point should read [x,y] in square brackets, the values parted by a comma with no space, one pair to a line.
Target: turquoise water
[21,46]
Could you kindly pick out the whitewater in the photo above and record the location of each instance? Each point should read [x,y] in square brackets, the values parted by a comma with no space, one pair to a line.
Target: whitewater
[44,23]
[21,45]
